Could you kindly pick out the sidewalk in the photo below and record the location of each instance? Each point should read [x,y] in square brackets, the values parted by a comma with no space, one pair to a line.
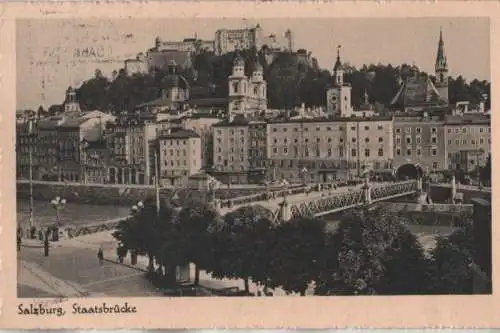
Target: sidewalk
[108,243]
[32,275]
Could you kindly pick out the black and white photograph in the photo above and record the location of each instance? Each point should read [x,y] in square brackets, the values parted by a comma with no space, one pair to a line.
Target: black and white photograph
[209,157]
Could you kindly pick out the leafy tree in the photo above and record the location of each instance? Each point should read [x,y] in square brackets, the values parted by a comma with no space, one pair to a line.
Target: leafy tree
[236,249]
[194,222]
[485,172]
[144,232]
[365,253]
[295,254]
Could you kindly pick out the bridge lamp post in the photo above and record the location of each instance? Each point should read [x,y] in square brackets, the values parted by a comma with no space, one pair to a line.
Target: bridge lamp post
[58,204]
[304,173]
[135,210]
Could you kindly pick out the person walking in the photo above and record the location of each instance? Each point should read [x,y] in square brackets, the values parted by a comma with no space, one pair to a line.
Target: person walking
[100,255]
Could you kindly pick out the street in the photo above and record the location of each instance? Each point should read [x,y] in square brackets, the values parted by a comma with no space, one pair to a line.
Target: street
[79,268]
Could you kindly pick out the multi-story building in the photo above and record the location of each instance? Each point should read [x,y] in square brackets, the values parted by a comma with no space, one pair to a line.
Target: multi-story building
[138,65]
[229,40]
[131,143]
[231,150]
[322,149]
[420,139]
[179,156]
[95,162]
[247,96]
[468,141]
[194,45]
[257,152]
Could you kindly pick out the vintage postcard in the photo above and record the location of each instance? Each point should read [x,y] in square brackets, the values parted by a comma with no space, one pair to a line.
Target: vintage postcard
[243,165]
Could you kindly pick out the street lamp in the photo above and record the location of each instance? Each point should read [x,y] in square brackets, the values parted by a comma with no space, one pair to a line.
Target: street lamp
[58,204]
[84,145]
[304,172]
[137,207]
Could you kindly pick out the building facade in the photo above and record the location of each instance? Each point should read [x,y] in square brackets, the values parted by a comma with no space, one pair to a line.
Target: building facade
[324,150]
[231,150]
[420,139]
[468,140]
[179,156]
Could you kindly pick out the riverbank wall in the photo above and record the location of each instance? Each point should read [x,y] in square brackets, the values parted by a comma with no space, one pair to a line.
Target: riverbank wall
[121,195]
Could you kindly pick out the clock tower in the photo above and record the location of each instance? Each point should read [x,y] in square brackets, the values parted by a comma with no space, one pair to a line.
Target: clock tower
[338,96]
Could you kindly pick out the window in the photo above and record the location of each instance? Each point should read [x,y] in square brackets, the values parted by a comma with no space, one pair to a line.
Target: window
[285,129]
[449,130]
[398,130]
[367,140]
[408,152]
[318,139]
[275,150]
[457,142]
[464,142]
[464,130]
[306,140]
[419,152]
[408,130]
[380,139]
[434,151]
[398,152]
[353,152]
[353,139]
[472,142]
[318,129]
[285,150]
[328,128]
[434,130]
[434,165]
[367,128]
[306,129]
[418,130]
[418,140]
[449,142]
[329,139]
[275,140]
[329,152]
[379,126]
[481,130]
[398,140]
[341,140]
[353,128]
[380,152]
[295,129]
[481,141]
[434,139]
[408,140]
[367,152]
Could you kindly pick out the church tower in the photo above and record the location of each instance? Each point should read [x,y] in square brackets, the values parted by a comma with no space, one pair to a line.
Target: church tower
[71,103]
[238,86]
[441,69]
[338,97]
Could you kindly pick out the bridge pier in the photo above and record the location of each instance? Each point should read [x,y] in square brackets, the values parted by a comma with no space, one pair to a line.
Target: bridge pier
[367,192]
[285,211]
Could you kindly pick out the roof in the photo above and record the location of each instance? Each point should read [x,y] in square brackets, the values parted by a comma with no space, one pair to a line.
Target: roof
[238,120]
[417,91]
[73,122]
[332,120]
[180,134]
[160,102]
[210,101]
[476,119]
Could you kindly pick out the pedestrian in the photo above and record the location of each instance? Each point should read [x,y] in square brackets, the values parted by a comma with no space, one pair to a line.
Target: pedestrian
[100,255]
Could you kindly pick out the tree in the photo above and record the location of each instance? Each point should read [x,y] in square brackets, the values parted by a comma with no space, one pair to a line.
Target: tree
[453,262]
[365,254]
[194,221]
[295,254]
[144,232]
[485,172]
[236,248]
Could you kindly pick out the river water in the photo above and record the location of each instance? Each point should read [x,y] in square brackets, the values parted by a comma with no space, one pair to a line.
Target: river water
[72,214]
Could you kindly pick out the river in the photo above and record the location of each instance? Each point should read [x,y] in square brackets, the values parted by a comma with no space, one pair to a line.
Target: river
[72,214]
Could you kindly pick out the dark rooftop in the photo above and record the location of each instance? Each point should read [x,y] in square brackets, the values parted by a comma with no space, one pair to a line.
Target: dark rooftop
[180,134]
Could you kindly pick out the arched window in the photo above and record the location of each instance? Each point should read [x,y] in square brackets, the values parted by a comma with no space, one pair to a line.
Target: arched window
[235,87]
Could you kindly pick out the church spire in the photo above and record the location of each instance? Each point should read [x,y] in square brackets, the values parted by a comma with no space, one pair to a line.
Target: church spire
[441,62]
[338,63]
[337,69]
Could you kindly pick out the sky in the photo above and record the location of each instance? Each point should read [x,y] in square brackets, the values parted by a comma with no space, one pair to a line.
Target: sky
[49,55]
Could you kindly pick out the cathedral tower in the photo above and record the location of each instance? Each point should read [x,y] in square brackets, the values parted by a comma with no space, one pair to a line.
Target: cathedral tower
[441,69]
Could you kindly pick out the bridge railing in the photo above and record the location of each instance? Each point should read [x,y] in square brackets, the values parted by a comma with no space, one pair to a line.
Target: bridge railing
[247,199]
